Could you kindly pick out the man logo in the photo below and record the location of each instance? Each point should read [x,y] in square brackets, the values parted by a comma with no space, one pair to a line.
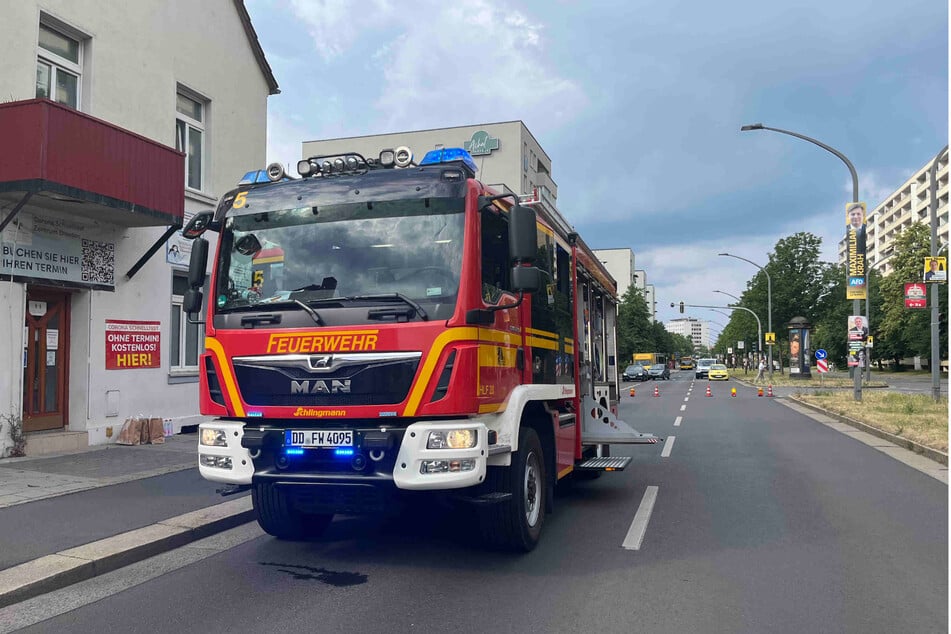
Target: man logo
[321,362]
[333,386]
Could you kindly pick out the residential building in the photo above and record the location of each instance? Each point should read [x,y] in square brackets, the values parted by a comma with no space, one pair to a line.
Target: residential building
[908,204]
[620,264]
[117,126]
[697,329]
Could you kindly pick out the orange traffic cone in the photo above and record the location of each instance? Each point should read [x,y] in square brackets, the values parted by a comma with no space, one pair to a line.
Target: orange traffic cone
[769,391]
[733,392]
[632,392]
[709,393]
[656,391]
[760,392]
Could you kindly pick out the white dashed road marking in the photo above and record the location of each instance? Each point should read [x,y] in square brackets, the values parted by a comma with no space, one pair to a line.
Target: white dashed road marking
[683,407]
[635,534]
[677,421]
[668,446]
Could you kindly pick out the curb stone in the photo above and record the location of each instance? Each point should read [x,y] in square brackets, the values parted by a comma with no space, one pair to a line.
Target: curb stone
[73,565]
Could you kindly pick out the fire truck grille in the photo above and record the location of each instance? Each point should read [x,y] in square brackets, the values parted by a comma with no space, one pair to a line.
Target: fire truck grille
[376,382]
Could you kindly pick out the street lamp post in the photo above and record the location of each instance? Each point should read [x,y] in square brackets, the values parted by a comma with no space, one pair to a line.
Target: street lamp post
[738,300]
[769,304]
[935,357]
[856,305]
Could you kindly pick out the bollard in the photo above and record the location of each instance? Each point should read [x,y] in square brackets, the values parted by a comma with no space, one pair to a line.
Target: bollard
[733,392]
[656,391]
[769,391]
[709,393]
[760,392]
[632,392]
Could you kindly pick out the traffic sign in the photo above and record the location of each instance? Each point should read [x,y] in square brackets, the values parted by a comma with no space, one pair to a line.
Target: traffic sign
[821,354]
[770,338]
[870,342]
[822,366]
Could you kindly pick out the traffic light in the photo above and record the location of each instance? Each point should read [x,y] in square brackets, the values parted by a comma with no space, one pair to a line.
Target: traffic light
[681,307]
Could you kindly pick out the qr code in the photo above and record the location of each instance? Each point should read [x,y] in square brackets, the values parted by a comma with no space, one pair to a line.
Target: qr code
[99,260]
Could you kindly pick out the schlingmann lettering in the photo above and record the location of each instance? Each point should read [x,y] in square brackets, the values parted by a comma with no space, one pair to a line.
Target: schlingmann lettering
[320,413]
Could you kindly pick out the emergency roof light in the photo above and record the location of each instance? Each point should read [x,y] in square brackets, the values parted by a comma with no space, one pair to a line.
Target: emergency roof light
[449,155]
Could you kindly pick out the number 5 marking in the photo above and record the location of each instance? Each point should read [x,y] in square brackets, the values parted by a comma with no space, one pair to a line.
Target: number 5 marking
[240,200]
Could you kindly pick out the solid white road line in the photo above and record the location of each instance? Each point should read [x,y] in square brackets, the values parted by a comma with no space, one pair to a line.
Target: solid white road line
[635,534]
[668,446]
[677,421]
[683,407]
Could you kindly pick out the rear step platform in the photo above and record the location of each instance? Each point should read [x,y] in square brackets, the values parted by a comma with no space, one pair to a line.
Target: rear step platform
[604,464]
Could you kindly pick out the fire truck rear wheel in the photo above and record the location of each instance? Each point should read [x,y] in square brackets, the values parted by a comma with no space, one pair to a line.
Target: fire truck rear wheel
[517,523]
[279,518]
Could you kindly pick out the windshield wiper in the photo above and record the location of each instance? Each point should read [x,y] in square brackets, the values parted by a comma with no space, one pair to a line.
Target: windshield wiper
[386,296]
[284,302]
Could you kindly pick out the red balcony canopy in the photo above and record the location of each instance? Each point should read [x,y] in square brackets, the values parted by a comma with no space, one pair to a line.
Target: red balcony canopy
[72,162]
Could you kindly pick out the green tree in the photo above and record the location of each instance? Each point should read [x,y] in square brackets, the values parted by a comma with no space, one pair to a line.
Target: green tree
[634,329]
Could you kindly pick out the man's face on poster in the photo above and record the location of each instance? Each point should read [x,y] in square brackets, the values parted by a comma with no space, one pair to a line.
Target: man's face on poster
[856,216]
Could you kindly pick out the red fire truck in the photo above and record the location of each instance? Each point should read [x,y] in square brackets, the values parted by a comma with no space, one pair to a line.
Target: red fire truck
[379,327]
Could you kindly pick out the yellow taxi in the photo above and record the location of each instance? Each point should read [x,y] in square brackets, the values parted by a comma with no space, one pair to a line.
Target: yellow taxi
[718,372]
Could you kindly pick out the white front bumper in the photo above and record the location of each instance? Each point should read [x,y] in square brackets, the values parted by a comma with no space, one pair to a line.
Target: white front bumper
[242,468]
[413,451]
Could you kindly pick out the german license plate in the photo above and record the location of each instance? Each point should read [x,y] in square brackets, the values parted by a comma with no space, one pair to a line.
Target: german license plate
[318,438]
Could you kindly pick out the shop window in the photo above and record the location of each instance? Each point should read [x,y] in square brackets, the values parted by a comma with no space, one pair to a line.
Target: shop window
[186,340]
[59,66]
[190,120]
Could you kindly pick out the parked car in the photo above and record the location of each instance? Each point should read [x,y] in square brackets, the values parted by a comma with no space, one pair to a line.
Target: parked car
[718,372]
[703,366]
[659,371]
[634,372]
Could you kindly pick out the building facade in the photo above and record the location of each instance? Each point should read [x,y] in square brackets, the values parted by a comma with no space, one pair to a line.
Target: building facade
[908,204]
[119,125]
[697,329]
[620,264]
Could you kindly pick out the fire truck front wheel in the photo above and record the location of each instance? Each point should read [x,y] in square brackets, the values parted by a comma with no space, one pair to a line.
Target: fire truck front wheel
[516,524]
[277,516]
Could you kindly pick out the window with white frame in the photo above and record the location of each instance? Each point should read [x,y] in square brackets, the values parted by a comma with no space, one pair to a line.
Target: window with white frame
[186,340]
[58,66]
[190,117]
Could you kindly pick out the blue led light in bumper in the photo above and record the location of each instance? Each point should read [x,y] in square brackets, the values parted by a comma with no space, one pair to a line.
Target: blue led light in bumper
[343,452]
[294,451]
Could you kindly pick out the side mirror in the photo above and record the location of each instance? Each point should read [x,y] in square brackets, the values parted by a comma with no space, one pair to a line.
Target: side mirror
[526,279]
[198,263]
[248,245]
[198,224]
[191,302]
[523,235]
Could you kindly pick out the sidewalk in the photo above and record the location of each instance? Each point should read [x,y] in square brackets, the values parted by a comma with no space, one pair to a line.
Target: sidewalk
[65,518]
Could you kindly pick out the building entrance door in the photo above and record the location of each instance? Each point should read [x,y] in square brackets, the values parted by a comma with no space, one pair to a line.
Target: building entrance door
[46,359]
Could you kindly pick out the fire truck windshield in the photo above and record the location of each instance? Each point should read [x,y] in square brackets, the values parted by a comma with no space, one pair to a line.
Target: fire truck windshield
[412,248]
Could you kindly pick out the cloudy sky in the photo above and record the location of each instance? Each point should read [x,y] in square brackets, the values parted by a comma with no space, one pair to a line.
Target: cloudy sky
[639,105]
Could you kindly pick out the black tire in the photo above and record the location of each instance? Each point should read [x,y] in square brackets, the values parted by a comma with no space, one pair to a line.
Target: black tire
[516,524]
[277,517]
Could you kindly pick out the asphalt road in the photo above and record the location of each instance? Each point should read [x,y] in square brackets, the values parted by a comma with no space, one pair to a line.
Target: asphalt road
[764,521]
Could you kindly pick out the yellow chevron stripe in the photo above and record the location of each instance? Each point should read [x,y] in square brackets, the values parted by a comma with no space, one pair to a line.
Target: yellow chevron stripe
[565,471]
[450,336]
[538,342]
[215,347]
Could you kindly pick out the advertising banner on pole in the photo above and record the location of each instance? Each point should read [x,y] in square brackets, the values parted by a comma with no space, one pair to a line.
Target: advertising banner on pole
[855,250]
[936,269]
[916,296]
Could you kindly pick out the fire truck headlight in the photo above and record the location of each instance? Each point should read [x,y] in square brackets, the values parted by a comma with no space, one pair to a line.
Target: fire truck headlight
[447,466]
[452,439]
[213,438]
[218,462]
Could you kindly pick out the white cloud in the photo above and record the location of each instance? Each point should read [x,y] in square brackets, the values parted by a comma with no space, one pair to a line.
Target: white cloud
[446,64]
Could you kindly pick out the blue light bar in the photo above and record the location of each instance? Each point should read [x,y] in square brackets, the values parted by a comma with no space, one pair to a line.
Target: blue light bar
[447,154]
[294,451]
[343,451]
[254,176]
